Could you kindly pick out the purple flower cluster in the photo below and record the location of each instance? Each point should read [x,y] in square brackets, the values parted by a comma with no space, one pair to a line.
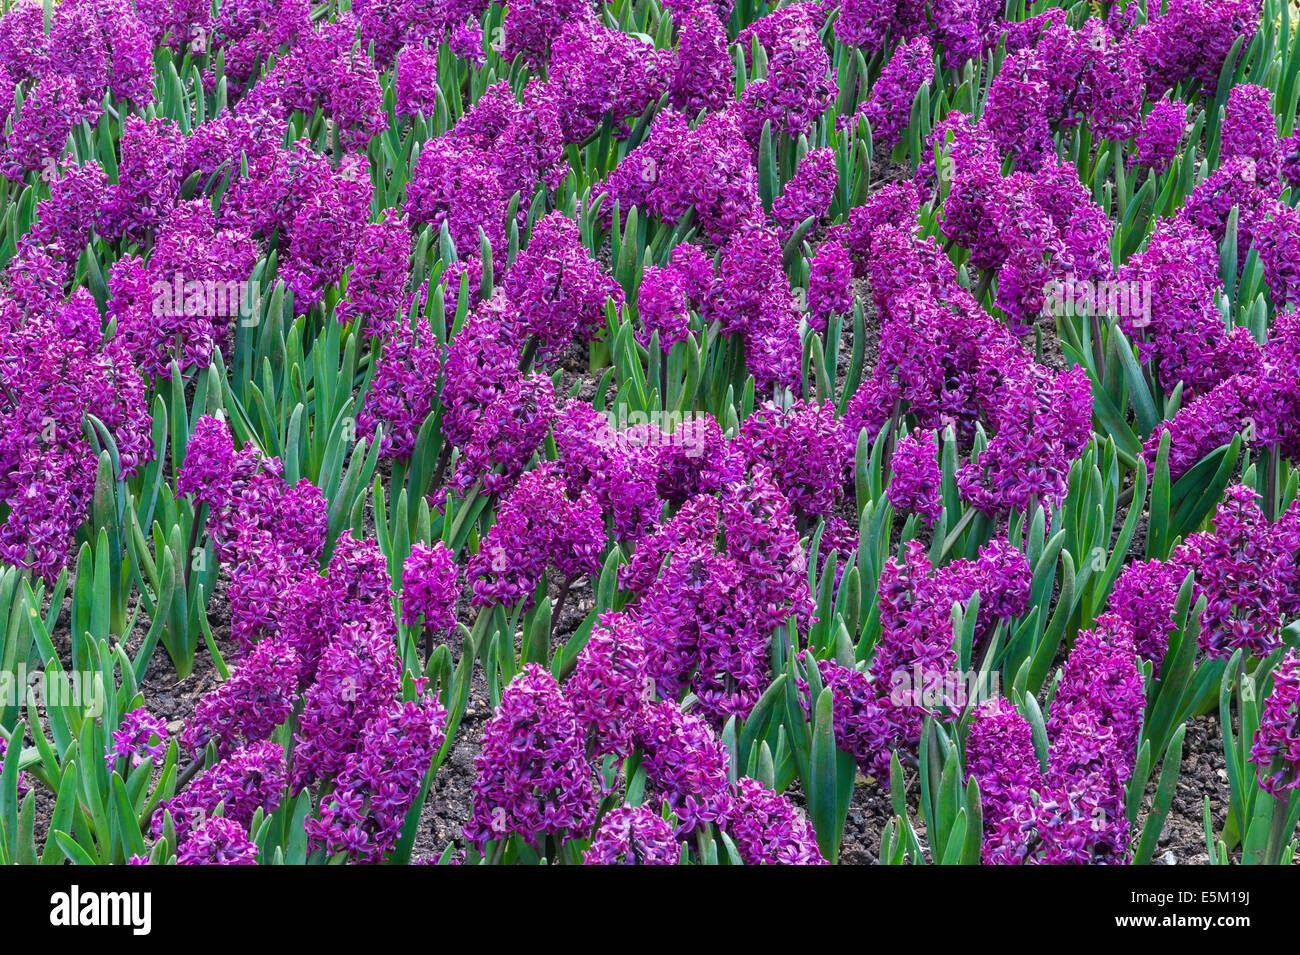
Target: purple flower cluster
[1143,597]
[141,736]
[357,680]
[769,830]
[797,87]
[702,76]
[258,697]
[867,23]
[809,191]
[685,766]
[364,813]
[378,275]
[806,449]
[537,528]
[1189,40]
[708,615]
[889,107]
[753,299]
[616,469]
[415,80]
[663,306]
[252,777]
[532,778]
[1000,757]
[559,289]
[1238,568]
[402,389]
[830,285]
[496,414]
[266,531]
[609,686]
[430,586]
[633,835]
[596,71]
[914,484]
[1276,749]
[1250,131]
[57,368]
[1040,422]
[864,723]
[217,841]
[1072,812]
[1161,136]
[181,305]
[709,169]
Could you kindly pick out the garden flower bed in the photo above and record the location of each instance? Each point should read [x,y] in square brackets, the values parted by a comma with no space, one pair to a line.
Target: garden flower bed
[649,432]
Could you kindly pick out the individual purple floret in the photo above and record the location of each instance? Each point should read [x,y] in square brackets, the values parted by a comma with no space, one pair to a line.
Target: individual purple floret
[633,835]
[533,779]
